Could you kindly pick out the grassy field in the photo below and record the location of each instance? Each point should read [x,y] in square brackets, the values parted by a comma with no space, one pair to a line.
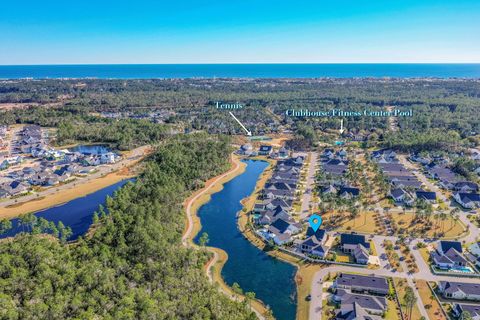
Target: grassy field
[401,285]
[450,228]
[364,222]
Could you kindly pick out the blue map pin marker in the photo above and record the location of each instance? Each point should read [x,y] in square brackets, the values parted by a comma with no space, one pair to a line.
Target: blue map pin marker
[315,222]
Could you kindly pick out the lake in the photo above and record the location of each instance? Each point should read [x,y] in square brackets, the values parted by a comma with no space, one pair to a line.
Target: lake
[76,214]
[272,280]
[274,70]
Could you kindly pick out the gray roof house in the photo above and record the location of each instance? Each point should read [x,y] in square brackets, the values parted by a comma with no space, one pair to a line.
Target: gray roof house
[372,304]
[473,310]
[459,290]
[449,255]
[362,284]
[467,200]
[315,244]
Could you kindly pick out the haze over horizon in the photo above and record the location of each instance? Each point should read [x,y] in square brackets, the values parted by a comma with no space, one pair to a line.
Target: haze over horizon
[148,32]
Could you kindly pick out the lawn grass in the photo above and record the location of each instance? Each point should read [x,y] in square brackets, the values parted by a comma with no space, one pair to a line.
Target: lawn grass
[392,310]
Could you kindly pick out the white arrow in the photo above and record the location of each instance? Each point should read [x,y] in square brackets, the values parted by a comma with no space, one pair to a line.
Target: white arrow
[248,132]
[341,126]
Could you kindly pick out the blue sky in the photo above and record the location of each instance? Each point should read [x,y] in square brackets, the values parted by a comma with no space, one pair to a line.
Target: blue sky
[239,31]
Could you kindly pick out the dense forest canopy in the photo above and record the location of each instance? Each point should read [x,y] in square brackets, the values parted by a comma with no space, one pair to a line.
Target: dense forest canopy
[134,265]
[449,104]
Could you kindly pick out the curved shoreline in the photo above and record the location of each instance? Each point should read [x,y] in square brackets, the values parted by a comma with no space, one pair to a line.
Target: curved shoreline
[73,190]
[214,266]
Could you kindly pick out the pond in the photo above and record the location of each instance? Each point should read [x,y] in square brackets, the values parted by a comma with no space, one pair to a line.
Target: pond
[272,280]
[76,214]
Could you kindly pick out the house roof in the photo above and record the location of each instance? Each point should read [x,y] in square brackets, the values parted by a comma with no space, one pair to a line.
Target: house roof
[468,184]
[265,148]
[469,197]
[281,225]
[467,288]
[363,281]
[351,190]
[365,301]
[474,310]
[349,238]
[447,245]
[320,233]
[427,195]
[397,192]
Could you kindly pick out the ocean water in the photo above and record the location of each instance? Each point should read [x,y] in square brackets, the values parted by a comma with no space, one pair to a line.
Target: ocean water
[150,71]
[272,280]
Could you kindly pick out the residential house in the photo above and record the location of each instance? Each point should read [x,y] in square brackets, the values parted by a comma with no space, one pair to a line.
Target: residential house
[459,290]
[465,186]
[429,196]
[458,310]
[467,200]
[356,246]
[315,243]
[349,192]
[448,255]
[356,283]
[246,149]
[372,304]
[265,150]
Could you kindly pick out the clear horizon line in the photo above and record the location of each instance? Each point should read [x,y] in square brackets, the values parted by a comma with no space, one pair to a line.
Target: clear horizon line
[232,63]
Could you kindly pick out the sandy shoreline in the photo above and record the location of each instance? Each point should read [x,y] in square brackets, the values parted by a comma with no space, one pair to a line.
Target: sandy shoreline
[213,267]
[62,196]
[58,195]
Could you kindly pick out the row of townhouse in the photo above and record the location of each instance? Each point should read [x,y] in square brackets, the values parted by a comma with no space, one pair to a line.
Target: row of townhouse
[334,166]
[464,192]
[46,174]
[468,292]
[272,211]
[360,296]
[405,187]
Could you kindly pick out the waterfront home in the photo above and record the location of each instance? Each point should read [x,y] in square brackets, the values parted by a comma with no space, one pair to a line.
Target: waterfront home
[448,255]
[265,150]
[278,194]
[272,204]
[108,158]
[286,226]
[372,304]
[459,290]
[467,200]
[282,153]
[246,149]
[458,310]
[362,284]
[16,187]
[269,216]
[315,243]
